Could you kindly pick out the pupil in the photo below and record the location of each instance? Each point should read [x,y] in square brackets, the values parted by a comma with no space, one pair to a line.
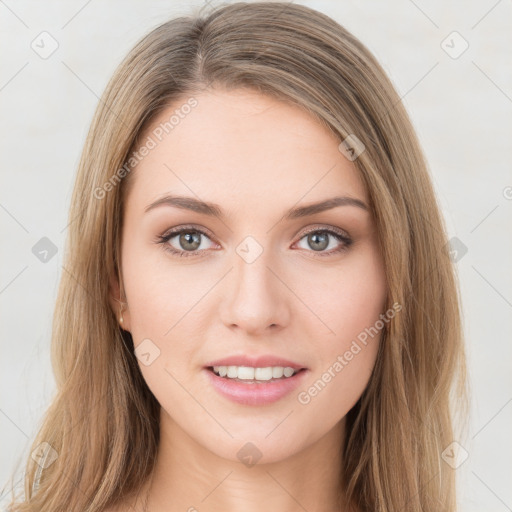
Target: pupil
[190,238]
[321,241]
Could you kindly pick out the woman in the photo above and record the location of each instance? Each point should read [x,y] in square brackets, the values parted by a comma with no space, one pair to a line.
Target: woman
[258,307]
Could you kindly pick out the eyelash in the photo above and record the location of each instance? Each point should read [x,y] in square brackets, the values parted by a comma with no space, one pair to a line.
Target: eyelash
[164,239]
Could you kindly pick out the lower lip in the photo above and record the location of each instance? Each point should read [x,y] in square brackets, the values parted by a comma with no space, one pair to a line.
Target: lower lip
[255,393]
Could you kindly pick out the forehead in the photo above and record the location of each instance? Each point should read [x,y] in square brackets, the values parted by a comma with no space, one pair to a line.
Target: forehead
[242,147]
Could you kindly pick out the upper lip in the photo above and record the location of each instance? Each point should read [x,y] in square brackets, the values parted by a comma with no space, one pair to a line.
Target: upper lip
[262,361]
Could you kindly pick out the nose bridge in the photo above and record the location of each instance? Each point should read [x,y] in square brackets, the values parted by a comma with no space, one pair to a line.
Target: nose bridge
[255,299]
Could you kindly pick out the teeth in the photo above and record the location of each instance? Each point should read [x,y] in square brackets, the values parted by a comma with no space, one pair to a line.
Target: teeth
[277,372]
[263,373]
[250,373]
[245,372]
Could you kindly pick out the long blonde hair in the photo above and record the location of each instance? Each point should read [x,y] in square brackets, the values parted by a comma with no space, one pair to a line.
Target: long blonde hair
[103,423]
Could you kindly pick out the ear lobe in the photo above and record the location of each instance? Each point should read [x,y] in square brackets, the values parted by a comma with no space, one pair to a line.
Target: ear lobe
[118,303]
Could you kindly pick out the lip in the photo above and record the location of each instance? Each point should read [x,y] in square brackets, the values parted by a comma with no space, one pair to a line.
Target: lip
[262,361]
[255,393]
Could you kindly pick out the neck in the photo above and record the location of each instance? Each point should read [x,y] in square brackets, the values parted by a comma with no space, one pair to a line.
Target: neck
[189,477]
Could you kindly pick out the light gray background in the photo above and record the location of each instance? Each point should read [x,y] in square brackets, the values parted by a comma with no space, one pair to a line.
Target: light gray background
[461,108]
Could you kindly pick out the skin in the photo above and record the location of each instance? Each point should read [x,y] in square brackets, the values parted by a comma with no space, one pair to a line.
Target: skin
[256,157]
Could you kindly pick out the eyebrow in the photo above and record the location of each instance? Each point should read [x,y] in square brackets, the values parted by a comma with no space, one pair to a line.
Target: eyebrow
[214,210]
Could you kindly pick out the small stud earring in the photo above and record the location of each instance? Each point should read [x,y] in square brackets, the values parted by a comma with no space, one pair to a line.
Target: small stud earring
[120,311]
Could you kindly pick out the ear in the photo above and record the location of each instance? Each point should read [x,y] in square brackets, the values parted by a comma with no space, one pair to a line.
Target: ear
[115,298]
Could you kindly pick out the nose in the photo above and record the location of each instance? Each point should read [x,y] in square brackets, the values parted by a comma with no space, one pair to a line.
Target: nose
[255,299]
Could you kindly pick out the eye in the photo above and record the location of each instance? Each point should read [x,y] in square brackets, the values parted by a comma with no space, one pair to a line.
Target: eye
[318,240]
[189,241]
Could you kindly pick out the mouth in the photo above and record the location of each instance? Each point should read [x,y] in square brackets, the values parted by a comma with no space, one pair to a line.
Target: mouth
[254,386]
[252,375]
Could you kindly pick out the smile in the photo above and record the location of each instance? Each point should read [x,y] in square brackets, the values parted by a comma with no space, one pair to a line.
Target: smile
[254,386]
[254,374]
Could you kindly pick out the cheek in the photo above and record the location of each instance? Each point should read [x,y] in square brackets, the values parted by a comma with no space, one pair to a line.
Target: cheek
[334,390]
[346,298]
[350,306]
[160,293]
[165,315]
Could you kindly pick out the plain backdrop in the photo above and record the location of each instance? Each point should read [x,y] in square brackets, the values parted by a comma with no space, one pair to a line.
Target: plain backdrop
[450,62]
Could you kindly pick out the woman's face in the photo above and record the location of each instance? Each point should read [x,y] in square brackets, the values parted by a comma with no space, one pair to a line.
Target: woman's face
[247,278]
